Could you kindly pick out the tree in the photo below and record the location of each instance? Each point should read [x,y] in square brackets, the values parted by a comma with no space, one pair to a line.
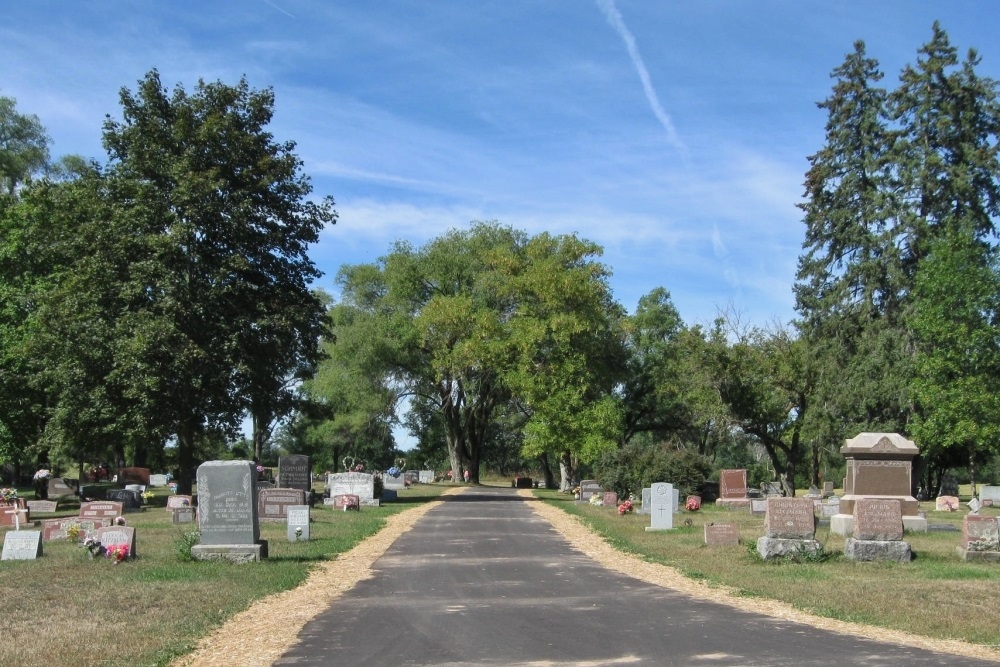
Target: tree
[197,268]
[24,146]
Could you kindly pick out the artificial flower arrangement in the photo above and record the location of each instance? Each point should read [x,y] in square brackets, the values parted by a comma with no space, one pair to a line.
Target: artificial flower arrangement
[393,471]
[116,553]
[576,492]
[693,504]
[42,474]
[73,532]
[625,508]
[8,494]
[147,496]
[596,500]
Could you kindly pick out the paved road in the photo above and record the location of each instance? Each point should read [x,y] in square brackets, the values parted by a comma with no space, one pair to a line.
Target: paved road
[481,580]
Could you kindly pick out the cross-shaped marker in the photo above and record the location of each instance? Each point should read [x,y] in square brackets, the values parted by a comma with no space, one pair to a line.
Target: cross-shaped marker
[17,517]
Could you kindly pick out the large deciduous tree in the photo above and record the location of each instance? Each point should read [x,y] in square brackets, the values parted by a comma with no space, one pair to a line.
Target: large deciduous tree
[195,271]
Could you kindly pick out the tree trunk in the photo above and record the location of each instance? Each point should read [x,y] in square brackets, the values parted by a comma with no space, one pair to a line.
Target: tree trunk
[566,472]
[185,458]
[550,480]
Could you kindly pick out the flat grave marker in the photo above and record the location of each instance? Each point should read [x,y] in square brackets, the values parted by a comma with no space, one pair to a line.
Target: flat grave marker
[22,545]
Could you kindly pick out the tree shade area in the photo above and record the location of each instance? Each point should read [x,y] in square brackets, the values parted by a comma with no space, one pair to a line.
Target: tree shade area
[151,304]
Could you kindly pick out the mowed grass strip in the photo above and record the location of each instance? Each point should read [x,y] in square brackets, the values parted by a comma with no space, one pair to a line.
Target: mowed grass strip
[936,595]
[68,609]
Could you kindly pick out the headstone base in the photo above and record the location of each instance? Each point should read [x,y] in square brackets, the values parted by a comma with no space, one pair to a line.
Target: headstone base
[915,524]
[842,524]
[234,553]
[734,503]
[973,556]
[878,550]
[778,547]
[650,529]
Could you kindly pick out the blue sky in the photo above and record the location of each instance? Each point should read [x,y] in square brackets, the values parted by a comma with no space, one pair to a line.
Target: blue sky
[674,134]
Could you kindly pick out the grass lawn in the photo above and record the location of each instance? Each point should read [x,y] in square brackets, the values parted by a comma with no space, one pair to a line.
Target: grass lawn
[936,595]
[68,609]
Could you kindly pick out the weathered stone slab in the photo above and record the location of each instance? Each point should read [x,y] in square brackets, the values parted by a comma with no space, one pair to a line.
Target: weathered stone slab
[359,484]
[179,501]
[158,480]
[733,484]
[989,496]
[130,500]
[877,520]
[790,519]
[101,508]
[644,507]
[878,550]
[947,503]
[610,499]
[22,545]
[42,505]
[777,547]
[758,506]
[57,529]
[58,488]
[394,482]
[722,535]
[273,504]
[980,533]
[133,476]
[425,476]
[113,535]
[295,472]
[588,488]
[227,512]
[182,515]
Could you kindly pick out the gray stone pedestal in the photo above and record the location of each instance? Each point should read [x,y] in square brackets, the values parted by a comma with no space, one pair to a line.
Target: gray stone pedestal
[233,553]
[777,547]
[877,550]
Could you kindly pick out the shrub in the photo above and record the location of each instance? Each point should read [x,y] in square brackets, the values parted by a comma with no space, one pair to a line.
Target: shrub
[634,467]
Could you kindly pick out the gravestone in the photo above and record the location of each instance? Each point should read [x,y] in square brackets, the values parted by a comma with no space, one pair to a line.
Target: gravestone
[273,504]
[411,477]
[14,514]
[733,489]
[295,472]
[661,511]
[101,509]
[182,515]
[158,480]
[989,496]
[42,505]
[813,492]
[179,501]
[131,500]
[227,513]
[789,529]
[298,523]
[722,535]
[878,532]
[677,500]
[589,487]
[830,508]
[58,488]
[758,506]
[57,529]
[610,499]
[946,503]
[346,501]
[22,545]
[771,489]
[426,477]
[827,489]
[394,482]
[949,486]
[133,476]
[980,539]
[879,466]
[359,484]
[112,535]
[644,509]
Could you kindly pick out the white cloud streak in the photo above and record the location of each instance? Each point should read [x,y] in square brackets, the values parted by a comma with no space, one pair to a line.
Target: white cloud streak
[614,17]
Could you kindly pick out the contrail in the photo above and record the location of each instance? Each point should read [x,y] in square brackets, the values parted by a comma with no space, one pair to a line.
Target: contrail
[267,2]
[618,23]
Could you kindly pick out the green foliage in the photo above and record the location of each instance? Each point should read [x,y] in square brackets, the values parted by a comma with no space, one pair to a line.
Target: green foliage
[634,467]
[185,542]
[24,146]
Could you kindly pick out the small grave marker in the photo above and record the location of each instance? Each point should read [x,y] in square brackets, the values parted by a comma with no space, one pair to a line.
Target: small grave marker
[722,535]
[946,503]
[114,535]
[610,499]
[298,523]
[22,545]
[661,511]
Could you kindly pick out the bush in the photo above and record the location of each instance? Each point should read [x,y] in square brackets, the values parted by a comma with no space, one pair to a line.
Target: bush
[635,467]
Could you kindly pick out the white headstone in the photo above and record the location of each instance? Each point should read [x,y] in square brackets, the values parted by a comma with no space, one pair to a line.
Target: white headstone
[644,509]
[426,477]
[991,493]
[677,500]
[974,505]
[298,523]
[661,510]
[359,484]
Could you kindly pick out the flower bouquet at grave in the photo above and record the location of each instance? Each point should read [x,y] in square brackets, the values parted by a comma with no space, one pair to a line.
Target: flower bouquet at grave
[93,546]
[8,495]
[596,500]
[693,504]
[42,474]
[393,471]
[116,553]
[576,492]
[146,496]
[625,508]
[73,532]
